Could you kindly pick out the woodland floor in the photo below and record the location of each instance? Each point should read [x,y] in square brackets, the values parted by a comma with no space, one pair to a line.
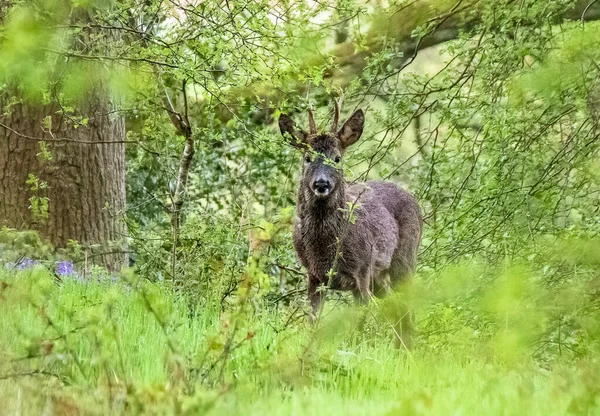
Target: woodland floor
[110,348]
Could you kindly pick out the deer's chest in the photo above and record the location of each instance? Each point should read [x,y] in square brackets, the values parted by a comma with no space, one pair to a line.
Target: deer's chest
[323,249]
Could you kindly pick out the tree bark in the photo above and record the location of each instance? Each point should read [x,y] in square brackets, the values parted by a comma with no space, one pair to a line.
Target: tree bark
[85,181]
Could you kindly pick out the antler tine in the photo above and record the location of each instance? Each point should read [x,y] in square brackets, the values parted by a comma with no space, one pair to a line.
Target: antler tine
[311,122]
[336,114]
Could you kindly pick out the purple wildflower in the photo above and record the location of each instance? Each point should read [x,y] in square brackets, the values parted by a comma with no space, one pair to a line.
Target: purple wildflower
[27,263]
[65,268]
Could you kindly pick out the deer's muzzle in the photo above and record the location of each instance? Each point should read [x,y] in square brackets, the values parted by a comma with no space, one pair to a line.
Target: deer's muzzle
[321,187]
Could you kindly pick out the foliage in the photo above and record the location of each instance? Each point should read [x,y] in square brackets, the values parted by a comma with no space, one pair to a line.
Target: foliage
[16,245]
[135,347]
[495,131]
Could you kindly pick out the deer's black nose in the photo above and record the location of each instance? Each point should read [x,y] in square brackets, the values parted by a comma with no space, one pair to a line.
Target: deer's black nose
[322,185]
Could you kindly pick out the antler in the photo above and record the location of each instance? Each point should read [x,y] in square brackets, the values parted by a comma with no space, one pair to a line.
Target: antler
[336,114]
[311,122]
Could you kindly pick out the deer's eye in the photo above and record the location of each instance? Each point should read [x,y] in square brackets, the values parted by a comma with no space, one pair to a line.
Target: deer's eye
[337,159]
[307,158]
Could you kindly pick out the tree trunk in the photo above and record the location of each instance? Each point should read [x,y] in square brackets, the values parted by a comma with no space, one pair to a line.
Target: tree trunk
[85,176]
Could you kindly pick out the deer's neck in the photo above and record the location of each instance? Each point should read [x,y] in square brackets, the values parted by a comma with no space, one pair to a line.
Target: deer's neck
[322,224]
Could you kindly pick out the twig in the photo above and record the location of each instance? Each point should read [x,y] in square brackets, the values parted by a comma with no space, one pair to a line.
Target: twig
[64,139]
[30,374]
[585,11]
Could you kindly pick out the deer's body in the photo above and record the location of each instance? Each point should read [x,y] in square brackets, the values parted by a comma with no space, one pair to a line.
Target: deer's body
[374,253]
[361,238]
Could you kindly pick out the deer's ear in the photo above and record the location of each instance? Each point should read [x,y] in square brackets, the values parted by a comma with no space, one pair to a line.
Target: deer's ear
[352,129]
[295,137]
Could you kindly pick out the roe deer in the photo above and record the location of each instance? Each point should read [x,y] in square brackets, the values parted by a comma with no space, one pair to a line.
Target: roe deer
[375,252]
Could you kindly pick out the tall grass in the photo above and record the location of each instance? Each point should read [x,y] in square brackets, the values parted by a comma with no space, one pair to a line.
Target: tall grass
[505,342]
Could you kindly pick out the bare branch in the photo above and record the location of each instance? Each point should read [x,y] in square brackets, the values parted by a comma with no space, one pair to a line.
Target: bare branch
[63,139]
[311,122]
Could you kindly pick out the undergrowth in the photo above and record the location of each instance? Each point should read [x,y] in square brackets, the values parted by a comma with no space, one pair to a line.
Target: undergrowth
[501,341]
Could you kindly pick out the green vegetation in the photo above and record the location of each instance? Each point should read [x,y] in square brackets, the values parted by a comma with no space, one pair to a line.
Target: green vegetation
[147,202]
[513,346]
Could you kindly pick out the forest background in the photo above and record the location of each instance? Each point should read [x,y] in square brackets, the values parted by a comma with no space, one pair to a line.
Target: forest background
[147,197]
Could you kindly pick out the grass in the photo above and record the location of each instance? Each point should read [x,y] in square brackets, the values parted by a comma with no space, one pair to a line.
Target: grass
[135,347]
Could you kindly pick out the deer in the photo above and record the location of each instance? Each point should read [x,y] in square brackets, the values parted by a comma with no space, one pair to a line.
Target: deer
[373,251]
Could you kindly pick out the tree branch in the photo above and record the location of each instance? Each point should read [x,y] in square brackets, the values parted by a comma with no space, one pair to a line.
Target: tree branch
[442,28]
[63,139]
[184,127]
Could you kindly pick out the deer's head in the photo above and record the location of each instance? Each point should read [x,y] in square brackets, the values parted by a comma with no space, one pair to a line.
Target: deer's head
[323,151]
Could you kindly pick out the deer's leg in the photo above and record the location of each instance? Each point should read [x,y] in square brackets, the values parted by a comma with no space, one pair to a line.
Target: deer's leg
[362,288]
[316,298]
[382,286]
[360,298]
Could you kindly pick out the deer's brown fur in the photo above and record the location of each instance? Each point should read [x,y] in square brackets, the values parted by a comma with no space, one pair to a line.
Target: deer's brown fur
[372,253]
